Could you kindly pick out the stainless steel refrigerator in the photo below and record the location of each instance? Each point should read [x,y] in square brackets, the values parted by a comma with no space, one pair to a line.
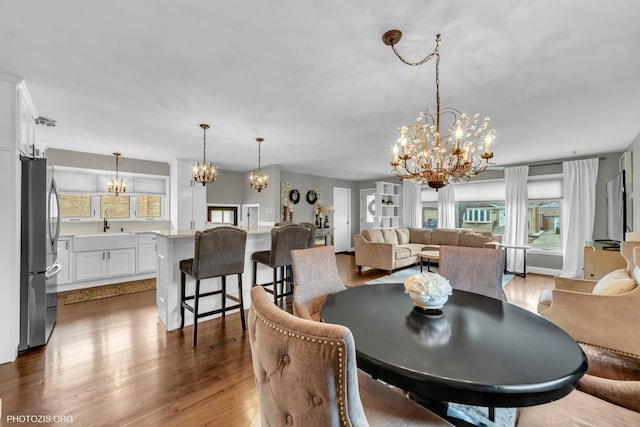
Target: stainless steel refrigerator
[40,228]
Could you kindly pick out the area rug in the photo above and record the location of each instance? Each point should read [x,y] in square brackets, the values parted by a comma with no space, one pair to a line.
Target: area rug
[401,275]
[100,292]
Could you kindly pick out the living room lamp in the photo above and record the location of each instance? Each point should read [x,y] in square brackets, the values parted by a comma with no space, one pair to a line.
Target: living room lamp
[424,154]
[258,180]
[115,185]
[204,173]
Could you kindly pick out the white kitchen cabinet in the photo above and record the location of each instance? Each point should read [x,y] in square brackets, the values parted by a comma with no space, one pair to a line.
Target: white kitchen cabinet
[91,265]
[94,265]
[64,259]
[192,199]
[146,253]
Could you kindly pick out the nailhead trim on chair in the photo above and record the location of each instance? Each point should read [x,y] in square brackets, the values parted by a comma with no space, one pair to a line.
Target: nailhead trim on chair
[339,345]
[609,349]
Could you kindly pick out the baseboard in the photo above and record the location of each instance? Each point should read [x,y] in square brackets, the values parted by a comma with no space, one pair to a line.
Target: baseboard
[543,270]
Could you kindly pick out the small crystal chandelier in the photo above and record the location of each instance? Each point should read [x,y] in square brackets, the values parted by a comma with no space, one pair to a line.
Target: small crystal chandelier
[204,173]
[429,156]
[114,185]
[258,180]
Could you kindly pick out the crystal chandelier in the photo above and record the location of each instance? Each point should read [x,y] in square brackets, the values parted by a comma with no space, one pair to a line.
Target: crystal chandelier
[428,155]
[204,173]
[258,180]
[114,185]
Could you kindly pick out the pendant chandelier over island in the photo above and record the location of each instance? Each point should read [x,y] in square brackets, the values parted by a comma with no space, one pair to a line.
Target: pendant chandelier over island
[258,180]
[204,173]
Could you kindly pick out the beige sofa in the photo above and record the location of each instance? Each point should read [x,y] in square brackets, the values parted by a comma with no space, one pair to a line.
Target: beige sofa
[392,248]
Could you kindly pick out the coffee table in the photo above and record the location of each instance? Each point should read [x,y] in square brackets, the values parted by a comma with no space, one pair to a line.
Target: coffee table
[480,351]
[428,255]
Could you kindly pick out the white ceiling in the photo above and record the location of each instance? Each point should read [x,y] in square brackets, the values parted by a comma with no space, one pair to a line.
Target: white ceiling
[313,78]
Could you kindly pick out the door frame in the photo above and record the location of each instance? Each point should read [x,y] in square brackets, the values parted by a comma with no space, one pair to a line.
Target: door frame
[342,235]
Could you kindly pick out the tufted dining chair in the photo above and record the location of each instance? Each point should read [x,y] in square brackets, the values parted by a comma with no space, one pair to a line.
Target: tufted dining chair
[477,270]
[315,278]
[306,375]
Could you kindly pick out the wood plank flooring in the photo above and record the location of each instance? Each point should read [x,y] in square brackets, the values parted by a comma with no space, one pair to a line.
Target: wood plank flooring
[111,362]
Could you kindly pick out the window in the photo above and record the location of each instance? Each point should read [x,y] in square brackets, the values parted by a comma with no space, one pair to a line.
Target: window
[480,206]
[430,215]
[223,214]
[544,224]
[477,215]
[83,196]
[149,207]
[481,216]
[75,206]
[118,207]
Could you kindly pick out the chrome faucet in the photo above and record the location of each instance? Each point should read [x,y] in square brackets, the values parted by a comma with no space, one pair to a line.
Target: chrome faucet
[105,223]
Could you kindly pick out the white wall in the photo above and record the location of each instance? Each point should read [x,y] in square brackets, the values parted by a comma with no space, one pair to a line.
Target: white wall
[9,222]
[634,147]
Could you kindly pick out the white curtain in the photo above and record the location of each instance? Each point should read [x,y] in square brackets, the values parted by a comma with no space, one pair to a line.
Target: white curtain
[446,207]
[578,212]
[516,202]
[412,202]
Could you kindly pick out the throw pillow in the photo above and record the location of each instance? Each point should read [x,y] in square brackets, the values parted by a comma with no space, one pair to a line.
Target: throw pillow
[615,283]
[403,235]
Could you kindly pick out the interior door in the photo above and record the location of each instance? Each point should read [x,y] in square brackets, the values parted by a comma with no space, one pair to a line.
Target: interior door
[367,208]
[342,219]
[250,216]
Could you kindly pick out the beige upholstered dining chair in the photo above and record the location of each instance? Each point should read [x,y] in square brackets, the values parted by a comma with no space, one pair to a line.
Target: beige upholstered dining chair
[477,270]
[306,375]
[315,278]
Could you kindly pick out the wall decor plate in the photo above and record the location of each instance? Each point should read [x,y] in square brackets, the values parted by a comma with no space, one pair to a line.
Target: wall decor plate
[294,196]
[312,197]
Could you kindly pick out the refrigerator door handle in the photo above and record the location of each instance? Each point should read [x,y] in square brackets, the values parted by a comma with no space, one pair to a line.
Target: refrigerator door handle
[53,270]
[54,213]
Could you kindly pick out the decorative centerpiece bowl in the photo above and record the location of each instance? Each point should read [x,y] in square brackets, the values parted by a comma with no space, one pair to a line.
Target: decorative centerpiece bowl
[428,291]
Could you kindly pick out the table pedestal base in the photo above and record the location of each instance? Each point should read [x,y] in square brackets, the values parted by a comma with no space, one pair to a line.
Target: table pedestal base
[467,415]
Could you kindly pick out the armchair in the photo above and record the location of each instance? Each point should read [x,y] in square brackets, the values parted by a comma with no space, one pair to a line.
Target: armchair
[603,317]
[600,319]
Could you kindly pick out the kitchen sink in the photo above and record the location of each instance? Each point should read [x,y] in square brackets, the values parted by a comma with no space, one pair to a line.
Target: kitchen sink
[104,241]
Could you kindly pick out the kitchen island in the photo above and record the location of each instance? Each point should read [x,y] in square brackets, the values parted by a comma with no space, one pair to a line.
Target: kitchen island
[176,245]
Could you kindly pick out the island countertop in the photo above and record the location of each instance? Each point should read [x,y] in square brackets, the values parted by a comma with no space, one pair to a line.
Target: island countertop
[174,246]
[177,234]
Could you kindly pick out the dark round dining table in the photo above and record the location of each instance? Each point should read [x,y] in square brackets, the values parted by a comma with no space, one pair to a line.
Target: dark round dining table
[478,351]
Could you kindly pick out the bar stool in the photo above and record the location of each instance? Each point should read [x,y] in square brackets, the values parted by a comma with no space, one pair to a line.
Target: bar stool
[219,252]
[313,232]
[283,240]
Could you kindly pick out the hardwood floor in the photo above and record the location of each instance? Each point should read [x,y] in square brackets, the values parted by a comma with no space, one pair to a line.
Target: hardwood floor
[111,362]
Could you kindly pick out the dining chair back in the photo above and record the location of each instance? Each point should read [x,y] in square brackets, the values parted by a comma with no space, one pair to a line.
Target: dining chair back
[477,270]
[218,252]
[306,374]
[315,278]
